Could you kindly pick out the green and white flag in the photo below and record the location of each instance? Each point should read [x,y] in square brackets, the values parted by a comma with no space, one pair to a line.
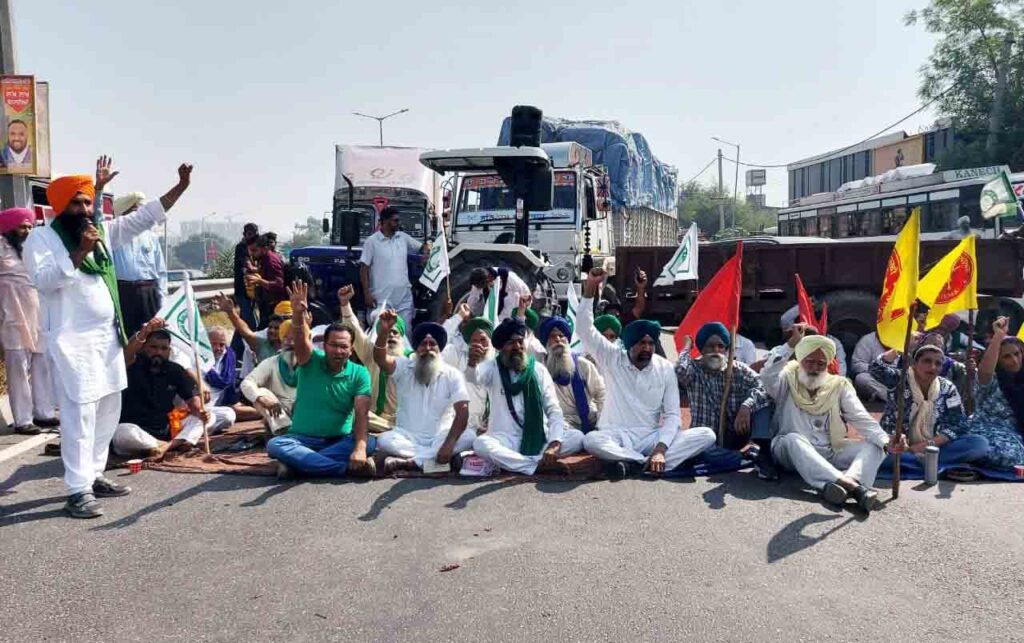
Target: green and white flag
[437,267]
[572,304]
[188,334]
[998,198]
[683,265]
[491,307]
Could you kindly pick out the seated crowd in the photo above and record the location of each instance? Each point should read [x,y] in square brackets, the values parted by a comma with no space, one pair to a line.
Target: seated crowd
[518,397]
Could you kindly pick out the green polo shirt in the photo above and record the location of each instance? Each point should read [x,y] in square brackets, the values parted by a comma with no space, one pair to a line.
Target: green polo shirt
[324,402]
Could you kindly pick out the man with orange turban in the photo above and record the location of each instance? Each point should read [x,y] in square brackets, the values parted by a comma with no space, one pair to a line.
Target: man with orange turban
[70,263]
[29,386]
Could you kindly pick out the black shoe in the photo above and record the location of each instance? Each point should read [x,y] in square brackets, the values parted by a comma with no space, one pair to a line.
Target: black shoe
[284,472]
[83,505]
[104,488]
[834,494]
[766,469]
[52,423]
[867,499]
[457,463]
[620,469]
[28,429]
[52,449]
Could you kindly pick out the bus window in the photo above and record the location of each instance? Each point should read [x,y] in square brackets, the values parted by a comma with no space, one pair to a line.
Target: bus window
[810,227]
[893,219]
[870,224]
[825,226]
[843,225]
[944,214]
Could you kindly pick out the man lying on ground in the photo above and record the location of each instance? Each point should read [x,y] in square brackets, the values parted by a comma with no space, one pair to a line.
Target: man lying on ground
[526,432]
[812,409]
[155,383]
[434,407]
[640,421]
[328,436]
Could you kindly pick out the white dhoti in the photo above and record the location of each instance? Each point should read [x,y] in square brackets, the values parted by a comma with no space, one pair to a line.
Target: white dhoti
[29,386]
[85,433]
[636,444]
[819,466]
[503,450]
[420,448]
[132,440]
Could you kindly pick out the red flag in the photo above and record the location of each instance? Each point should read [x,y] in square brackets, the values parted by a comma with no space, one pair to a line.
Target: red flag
[806,308]
[719,301]
[823,320]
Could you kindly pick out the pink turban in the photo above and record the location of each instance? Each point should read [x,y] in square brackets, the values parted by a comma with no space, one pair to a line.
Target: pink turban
[11,218]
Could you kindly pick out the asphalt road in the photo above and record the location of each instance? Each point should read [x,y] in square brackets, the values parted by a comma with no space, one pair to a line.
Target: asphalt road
[228,558]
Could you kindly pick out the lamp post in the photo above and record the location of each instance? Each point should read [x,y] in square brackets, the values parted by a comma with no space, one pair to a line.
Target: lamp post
[736,181]
[380,121]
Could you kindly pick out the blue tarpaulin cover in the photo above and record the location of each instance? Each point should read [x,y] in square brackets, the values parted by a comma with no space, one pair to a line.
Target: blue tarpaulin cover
[638,178]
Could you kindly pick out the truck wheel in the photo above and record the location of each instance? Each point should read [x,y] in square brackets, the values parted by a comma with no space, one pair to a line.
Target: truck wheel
[852,314]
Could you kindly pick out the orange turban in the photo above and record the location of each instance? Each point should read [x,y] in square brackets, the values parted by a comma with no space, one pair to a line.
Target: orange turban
[62,190]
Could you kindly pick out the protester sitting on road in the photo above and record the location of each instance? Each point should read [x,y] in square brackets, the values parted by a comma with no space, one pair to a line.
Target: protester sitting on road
[812,409]
[935,417]
[384,399]
[527,431]
[464,333]
[999,399]
[260,345]
[503,284]
[328,436]
[578,384]
[154,383]
[525,312]
[640,421]
[29,386]
[746,352]
[840,352]
[867,350]
[271,385]
[434,412]
[609,326]
[748,411]
[886,368]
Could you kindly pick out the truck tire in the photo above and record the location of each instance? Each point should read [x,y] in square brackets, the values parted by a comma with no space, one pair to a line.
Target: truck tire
[460,282]
[852,314]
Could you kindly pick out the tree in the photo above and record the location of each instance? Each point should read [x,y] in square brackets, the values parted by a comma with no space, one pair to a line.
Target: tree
[191,253]
[223,267]
[699,203]
[975,75]
[309,233]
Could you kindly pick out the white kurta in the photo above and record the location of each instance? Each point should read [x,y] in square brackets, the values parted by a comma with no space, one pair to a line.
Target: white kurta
[515,287]
[77,313]
[456,354]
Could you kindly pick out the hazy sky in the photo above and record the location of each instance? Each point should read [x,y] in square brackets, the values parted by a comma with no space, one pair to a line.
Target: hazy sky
[256,94]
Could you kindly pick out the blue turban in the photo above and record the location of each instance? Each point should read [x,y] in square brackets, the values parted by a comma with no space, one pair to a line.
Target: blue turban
[506,330]
[437,331]
[709,330]
[553,323]
[637,330]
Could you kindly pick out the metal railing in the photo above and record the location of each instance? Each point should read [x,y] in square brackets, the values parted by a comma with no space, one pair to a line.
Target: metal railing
[205,289]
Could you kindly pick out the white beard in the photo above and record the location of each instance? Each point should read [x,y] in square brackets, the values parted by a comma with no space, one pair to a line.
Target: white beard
[426,368]
[808,381]
[559,362]
[713,362]
[395,348]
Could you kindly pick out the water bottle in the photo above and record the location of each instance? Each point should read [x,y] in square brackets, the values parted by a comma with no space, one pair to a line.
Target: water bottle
[931,465]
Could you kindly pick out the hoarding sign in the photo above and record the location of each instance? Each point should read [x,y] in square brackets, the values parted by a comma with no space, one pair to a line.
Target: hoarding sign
[756,178]
[18,138]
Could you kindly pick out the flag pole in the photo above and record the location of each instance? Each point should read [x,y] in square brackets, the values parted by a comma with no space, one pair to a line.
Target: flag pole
[969,361]
[725,391]
[898,433]
[193,314]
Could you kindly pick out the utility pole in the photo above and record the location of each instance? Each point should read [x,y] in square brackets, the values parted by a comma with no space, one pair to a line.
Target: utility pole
[13,189]
[736,187]
[721,195]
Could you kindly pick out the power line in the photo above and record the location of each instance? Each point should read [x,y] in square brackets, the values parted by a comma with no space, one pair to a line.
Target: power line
[848,147]
[697,175]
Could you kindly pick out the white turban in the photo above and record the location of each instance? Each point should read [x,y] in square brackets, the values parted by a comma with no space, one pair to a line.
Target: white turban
[128,201]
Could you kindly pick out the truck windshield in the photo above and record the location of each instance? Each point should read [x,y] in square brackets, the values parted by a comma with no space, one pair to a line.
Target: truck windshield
[412,223]
[486,200]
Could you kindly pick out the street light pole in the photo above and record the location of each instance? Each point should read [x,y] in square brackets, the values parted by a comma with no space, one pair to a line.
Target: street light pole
[14,190]
[736,181]
[380,121]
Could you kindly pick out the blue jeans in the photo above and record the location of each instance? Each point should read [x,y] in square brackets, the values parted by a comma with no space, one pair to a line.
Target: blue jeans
[964,450]
[245,311]
[316,457]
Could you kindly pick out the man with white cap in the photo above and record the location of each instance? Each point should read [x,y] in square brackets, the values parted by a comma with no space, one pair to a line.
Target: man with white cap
[812,409]
[141,269]
[434,404]
[640,422]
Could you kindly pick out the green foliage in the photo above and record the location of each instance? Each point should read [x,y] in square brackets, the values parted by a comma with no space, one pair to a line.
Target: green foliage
[699,203]
[223,266]
[980,43]
[309,233]
[191,253]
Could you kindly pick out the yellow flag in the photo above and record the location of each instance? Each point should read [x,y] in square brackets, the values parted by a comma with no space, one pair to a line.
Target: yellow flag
[952,284]
[899,289]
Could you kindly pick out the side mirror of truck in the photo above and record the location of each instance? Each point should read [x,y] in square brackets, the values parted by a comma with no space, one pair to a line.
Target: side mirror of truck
[326,225]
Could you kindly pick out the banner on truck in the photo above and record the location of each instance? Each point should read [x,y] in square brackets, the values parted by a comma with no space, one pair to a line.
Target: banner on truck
[18,137]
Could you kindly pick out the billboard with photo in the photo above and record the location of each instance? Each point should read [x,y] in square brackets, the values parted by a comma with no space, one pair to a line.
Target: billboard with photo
[18,136]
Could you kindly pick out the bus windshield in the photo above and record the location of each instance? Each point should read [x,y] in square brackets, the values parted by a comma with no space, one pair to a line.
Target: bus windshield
[486,200]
